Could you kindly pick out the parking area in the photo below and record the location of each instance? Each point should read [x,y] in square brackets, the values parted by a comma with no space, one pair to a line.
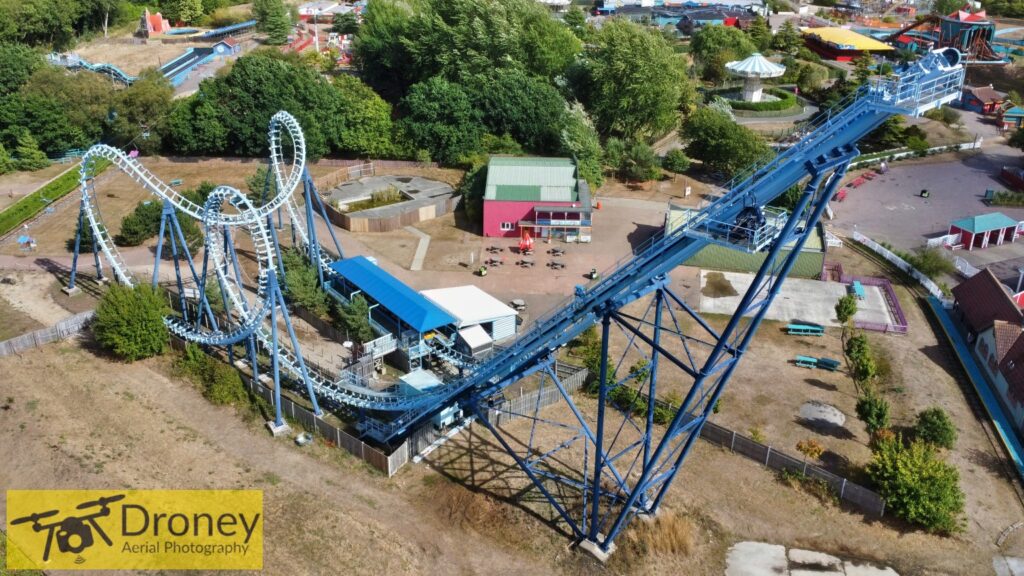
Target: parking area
[807,301]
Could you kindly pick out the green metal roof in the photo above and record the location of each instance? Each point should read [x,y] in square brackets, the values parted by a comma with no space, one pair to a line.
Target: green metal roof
[531,178]
[985,223]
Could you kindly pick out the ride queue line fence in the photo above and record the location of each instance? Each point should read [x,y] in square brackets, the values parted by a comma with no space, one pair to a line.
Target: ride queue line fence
[573,378]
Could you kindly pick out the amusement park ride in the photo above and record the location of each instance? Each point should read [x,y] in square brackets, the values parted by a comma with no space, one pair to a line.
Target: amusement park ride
[609,462]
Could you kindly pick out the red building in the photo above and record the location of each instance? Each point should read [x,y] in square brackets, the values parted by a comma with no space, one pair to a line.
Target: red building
[985,230]
[542,196]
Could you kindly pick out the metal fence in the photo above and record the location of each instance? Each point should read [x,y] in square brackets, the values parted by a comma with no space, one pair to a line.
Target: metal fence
[64,329]
[847,491]
[902,264]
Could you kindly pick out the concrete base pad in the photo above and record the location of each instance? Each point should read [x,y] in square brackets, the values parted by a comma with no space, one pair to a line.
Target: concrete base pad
[276,430]
[71,291]
[594,549]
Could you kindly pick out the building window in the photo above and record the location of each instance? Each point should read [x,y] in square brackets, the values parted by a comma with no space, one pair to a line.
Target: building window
[507,227]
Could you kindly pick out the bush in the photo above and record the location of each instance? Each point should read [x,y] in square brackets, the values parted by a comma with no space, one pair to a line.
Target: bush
[810,448]
[640,163]
[859,351]
[129,322]
[221,384]
[676,161]
[873,410]
[917,485]
[786,100]
[918,145]
[935,427]
[931,262]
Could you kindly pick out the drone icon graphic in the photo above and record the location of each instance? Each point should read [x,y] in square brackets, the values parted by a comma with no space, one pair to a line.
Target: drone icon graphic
[74,533]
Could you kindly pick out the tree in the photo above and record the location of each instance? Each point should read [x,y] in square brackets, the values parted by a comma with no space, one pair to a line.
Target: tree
[810,77]
[7,164]
[379,51]
[302,283]
[633,82]
[187,11]
[438,116]
[1017,139]
[138,109]
[760,34]
[30,157]
[947,7]
[525,107]
[276,22]
[579,139]
[360,120]
[129,322]
[286,85]
[846,308]
[256,184]
[42,115]
[862,68]
[82,101]
[715,39]
[639,163]
[676,161]
[345,24]
[354,317]
[873,410]
[917,485]
[472,190]
[18,63]
[576,20]
[788,39]
[721,144]
[935,427]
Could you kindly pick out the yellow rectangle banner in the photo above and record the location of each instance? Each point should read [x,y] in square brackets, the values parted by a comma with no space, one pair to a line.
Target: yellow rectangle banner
[135,529]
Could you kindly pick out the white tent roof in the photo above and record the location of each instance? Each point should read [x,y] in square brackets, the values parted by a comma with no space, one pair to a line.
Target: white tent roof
[469,304]
[475,336]
[756,66]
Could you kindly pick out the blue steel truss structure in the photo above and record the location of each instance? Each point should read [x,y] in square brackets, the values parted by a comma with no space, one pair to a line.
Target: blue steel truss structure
[598,463]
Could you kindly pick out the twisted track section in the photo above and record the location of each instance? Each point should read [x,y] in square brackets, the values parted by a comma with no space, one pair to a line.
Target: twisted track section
[250,319]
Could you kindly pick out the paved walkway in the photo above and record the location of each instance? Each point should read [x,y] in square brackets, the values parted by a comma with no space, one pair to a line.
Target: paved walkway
[421,248]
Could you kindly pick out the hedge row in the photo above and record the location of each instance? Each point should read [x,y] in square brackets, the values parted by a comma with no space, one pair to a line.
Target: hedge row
[785,101]
[35,202]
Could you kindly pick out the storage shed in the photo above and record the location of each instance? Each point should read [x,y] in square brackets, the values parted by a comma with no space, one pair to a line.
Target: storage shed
[471,306]
[985,230]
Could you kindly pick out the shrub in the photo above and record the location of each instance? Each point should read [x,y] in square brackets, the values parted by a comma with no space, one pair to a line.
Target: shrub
[917,485]
[640,163]
[873,410]
[786,100]
[935,427]
[810,448]
[221,384]
[129,322]
[918,145]
[931,262]
[676,161]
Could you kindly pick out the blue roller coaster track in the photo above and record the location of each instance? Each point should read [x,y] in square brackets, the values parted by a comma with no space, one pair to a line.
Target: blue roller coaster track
[612,461]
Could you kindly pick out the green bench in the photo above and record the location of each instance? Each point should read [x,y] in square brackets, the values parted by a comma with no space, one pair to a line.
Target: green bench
[805,330]
[828,364]
[806,361]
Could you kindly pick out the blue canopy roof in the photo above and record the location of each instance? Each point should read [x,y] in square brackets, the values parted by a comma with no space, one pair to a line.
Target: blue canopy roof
[411,307]
[985,223]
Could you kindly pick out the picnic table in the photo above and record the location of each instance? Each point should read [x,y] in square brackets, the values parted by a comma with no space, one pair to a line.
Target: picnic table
[828,364]
[526,262]
[857,289]
[495,261]
[494,249]
[806,361]
[556,265]
[805,330]
[518,304]
[557,251]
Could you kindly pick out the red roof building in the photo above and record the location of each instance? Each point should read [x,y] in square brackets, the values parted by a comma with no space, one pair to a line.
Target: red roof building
[982,299]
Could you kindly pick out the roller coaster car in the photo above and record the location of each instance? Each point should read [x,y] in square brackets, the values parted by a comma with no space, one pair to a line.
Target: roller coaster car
[236,201]
[748,221]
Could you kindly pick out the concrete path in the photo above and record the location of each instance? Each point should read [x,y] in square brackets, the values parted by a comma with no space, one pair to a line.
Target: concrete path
[760,558]
[421,248]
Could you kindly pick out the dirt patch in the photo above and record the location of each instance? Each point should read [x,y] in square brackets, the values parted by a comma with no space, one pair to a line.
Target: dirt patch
[30,294]
[15,322]
[718,286]
[91,423]
[671,188]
